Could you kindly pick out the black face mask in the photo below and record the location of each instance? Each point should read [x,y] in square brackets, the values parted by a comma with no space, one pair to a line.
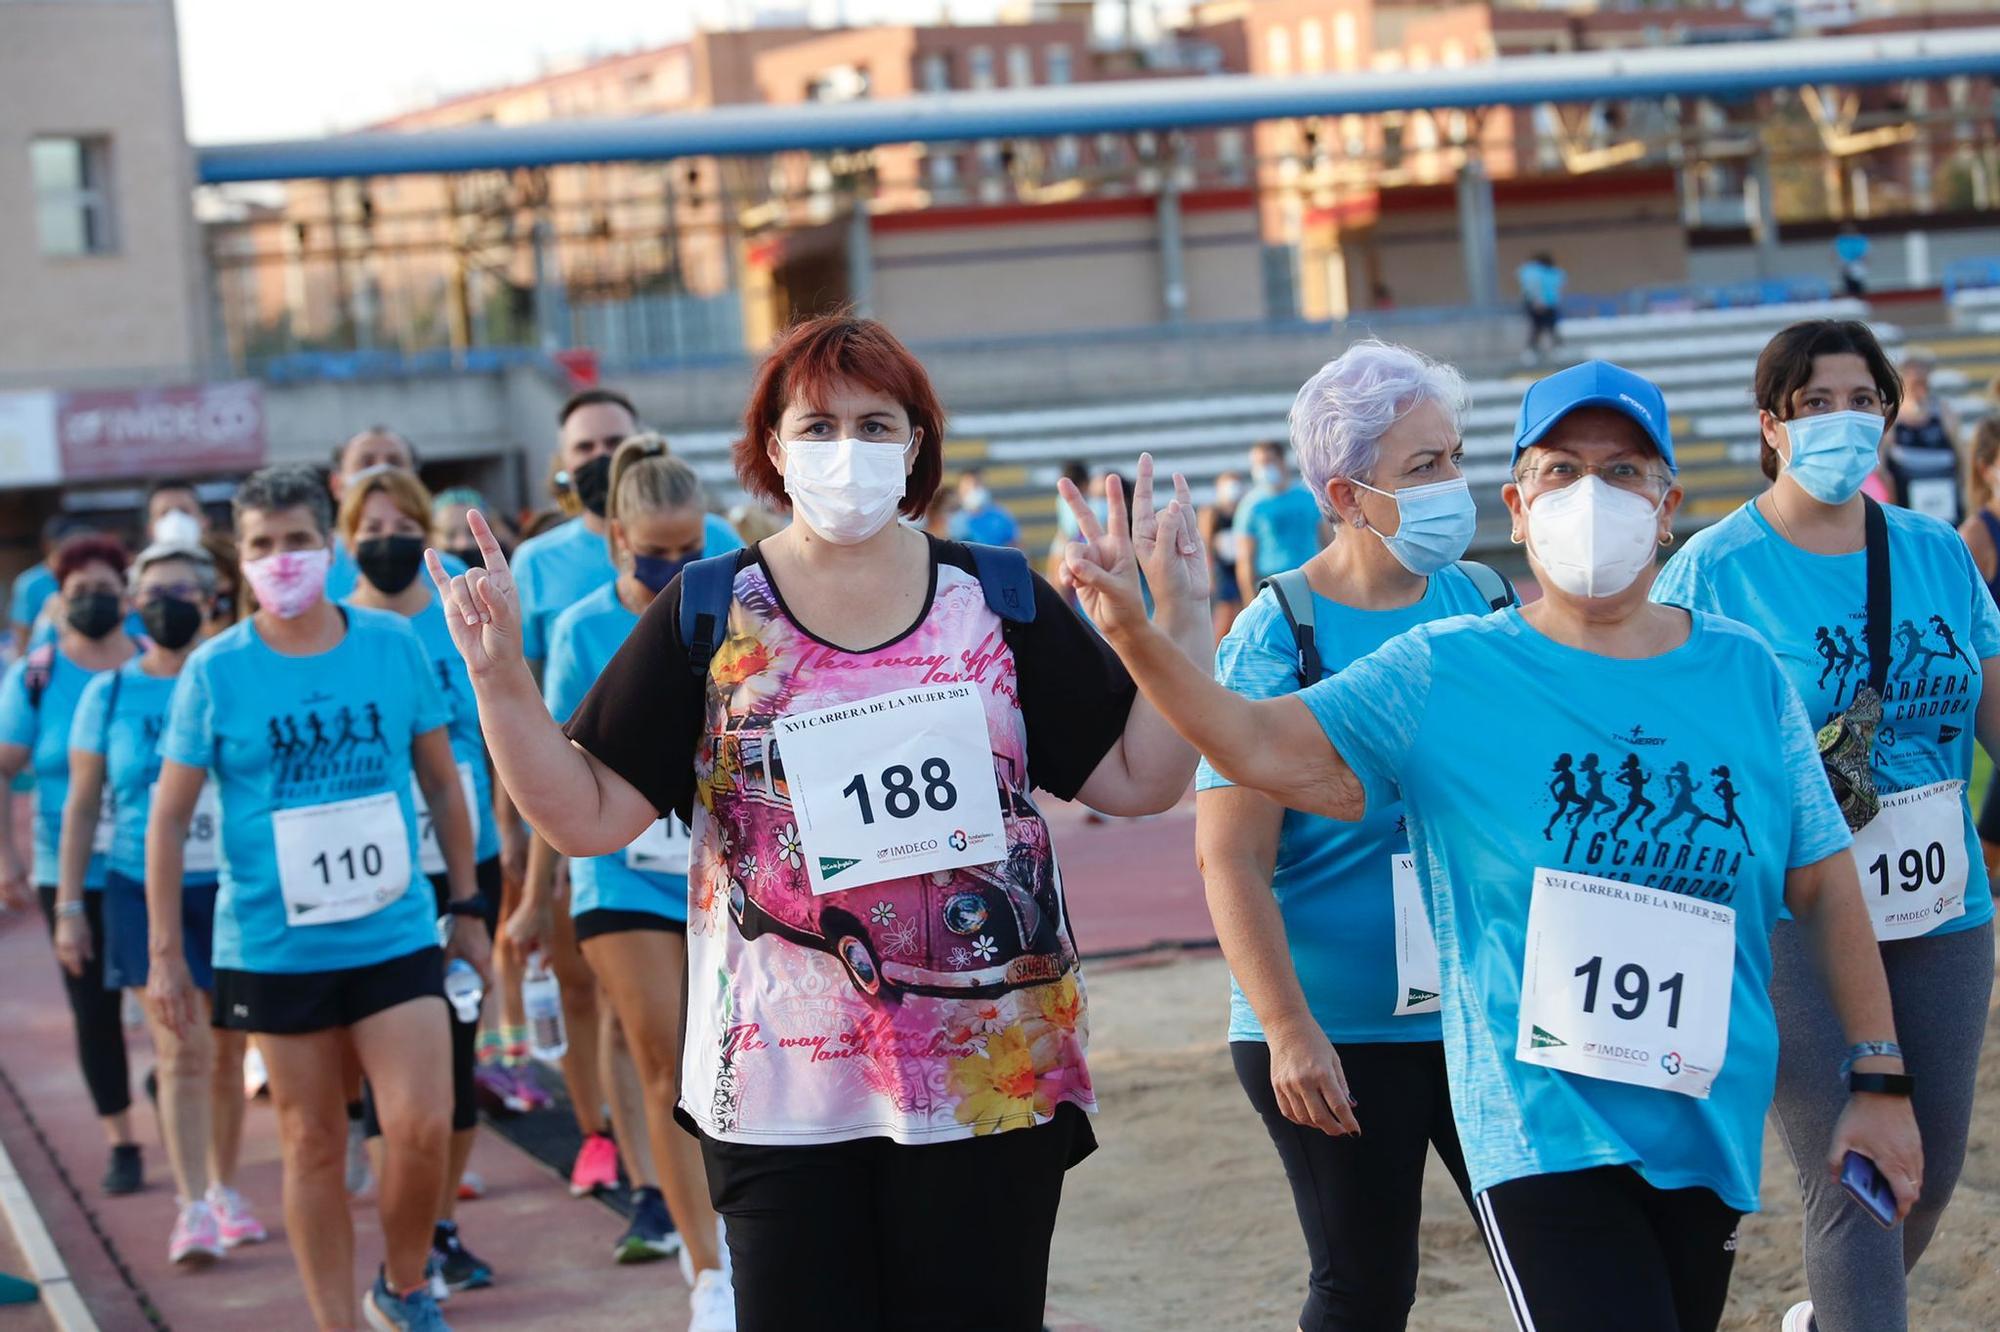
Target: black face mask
[470,556]
[592,483]
[95,614]
[390,563]
[172,622]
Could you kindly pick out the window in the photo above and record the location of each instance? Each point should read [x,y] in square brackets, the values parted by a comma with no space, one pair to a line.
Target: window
[937,72]
[979,61]
[1057,60]
[73,195]
[1312,46]
[1345,44]
[1020,67]
[1278,50]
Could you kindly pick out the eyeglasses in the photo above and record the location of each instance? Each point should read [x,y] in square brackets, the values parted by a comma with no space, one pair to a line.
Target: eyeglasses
[178,591]
[1624,475]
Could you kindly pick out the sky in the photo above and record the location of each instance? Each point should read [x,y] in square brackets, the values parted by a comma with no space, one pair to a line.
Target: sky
[260,69]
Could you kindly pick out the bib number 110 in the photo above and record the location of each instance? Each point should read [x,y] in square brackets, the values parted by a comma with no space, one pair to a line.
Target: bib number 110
[1634,987]
[899,790]
[368,860]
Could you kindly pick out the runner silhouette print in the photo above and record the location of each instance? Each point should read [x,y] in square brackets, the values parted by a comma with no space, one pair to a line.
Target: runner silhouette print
[1634,777]
[1725,790]
[1907,633]
[1952,649]
[1680,787]
[1595,802]
[1563,787]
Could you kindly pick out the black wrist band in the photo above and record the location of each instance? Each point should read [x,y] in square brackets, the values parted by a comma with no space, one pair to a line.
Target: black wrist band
[465,906]
[1882,1084]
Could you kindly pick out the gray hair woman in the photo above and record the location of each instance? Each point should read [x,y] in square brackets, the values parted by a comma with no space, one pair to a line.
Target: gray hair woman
[1306,906]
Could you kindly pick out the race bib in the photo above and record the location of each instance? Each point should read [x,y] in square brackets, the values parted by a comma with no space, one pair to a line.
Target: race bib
[201,853]
[663,848]
[1417,983]
[343,860]
[430,856]
[1912,861]
[892,786]
[1626,983]
[1935,496]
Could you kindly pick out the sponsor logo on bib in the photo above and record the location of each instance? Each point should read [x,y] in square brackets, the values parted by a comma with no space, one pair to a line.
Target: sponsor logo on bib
[832,865]
[1417,996]
[1544,1037]
[1947,734]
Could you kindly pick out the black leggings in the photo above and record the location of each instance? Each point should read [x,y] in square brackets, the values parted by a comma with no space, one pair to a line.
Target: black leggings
[99,1013]
[1360,1199]
[873,1234]
[1589,1249]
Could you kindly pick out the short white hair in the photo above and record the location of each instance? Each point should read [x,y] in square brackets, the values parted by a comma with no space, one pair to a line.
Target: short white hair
[1340,416]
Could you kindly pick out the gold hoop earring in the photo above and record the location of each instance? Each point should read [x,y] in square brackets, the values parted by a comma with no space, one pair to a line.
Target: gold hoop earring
[1514,538]
[1667,539]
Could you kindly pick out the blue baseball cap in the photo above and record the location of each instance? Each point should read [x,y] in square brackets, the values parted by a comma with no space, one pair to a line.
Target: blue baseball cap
[1593,384]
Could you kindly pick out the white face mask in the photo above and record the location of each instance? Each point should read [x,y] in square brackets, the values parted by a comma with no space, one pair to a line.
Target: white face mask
[176,527]
[1591,538]
[845,490]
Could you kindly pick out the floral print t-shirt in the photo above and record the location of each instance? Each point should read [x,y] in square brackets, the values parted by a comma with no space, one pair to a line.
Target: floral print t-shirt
[924,1008]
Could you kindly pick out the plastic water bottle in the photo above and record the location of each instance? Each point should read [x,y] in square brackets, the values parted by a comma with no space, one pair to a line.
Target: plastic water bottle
[464,988]
[541,1000]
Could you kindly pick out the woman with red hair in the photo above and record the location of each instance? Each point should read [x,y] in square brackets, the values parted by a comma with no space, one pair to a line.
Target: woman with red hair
[38,697]
[884,1054]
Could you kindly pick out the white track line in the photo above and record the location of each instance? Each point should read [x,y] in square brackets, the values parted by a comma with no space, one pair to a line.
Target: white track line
[60,1297]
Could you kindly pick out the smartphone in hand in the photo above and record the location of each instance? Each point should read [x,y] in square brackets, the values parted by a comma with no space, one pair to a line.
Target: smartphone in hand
[1865,1184]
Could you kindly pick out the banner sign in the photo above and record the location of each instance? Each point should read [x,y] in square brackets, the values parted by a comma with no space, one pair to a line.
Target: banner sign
[105,434]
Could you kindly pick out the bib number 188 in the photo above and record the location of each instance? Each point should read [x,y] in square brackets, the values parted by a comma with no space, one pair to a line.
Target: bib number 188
[899,790]
[1635,989]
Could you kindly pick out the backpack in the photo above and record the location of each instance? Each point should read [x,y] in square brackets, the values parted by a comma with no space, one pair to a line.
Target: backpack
[708,586]
[1295,599]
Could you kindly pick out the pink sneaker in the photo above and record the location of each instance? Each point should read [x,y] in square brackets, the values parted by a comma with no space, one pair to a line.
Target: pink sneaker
[596,1167]
[195,1241]
[234,1220]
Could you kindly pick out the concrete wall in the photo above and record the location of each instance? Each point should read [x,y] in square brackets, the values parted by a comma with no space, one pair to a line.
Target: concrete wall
[1890,260]
[106,68]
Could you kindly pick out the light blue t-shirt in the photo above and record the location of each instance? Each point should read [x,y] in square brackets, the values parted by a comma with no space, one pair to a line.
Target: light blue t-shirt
[1541,283]
[1812,610]
[1692,772]
[1333,879]
[584,639]
[344,573]
[33,586]
[44,732]
[120,719]
[288,733]
[1284,524]
[552,571]
[991,526]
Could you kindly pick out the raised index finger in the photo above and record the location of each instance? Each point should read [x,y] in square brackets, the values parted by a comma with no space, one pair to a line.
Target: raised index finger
[490,553]
[1086,521]
[1142,495]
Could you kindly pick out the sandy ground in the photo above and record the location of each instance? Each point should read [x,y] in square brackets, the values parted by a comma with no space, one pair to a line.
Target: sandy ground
[1182,1220]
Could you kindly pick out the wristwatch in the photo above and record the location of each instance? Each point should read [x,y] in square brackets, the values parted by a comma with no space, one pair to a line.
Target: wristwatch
[466,906]
[1882,1084]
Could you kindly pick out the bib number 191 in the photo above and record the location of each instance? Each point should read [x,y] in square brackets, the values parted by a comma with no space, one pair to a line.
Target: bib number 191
[1634,988]
[899,790]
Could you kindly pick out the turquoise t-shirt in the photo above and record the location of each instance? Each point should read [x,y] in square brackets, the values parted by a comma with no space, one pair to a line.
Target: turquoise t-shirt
[581,644]
[33,586]
[1333,879]
[1285,525]
[344,573]
[120,718]
[283,734]
[468,746]
[44,732]
[1812,610]
[1514,753]
[552,571]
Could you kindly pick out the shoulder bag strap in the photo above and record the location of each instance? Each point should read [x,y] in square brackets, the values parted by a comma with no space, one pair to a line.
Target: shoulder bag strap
[1295,599]
[1877,629]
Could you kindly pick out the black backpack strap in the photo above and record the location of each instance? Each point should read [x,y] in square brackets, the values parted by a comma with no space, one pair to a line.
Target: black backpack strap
[1876,632]
[707,588]
[1295,599]
[1491,584]
[1007,580]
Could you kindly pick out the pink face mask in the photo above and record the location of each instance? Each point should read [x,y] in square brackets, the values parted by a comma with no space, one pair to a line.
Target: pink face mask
[291,582]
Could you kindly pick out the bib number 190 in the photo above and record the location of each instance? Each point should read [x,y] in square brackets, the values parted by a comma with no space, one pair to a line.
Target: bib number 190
[1634,988]
[899,790]
[1914,869]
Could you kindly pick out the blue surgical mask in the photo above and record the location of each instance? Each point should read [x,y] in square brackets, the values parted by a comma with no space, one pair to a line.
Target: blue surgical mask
[1434,524]
[1270,476]
[656,571]
[1833,454]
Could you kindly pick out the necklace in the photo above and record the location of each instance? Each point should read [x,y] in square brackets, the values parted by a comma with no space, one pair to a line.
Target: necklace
[1779,514]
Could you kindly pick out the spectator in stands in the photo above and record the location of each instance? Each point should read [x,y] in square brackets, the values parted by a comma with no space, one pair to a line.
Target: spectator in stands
[174,516]
[1278,525]
[1850,249]
[34,585]
[1541,297]
[980,517]
[1218,533]
[1923,456]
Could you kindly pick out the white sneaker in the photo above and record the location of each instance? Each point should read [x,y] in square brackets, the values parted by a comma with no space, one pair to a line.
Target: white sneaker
[712,1303]
[1798,1318]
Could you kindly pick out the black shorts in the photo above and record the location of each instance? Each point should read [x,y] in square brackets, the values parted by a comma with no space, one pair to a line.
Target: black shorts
[295,1003]
[605,920]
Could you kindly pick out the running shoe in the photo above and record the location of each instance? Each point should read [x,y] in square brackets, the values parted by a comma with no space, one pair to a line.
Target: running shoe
[233,1217]
[360,1179]
[460,1267]
[712,1303]
[497,1090]
[528,1087]
[1799,1317]
[387,1311]
[471,1186]
[596,1167]
[434,1273]
[651,1235]
[124,1173]
[195,1242]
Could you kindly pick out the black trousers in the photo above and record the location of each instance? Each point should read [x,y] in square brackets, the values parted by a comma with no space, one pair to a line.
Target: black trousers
[1360,1200]
[1590,1249]
[874,1236]
[99,1013]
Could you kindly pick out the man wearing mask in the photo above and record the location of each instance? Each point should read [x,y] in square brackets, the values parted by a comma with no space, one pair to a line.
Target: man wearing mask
[979,517]
[174,516]
[1278,524]
[377,446]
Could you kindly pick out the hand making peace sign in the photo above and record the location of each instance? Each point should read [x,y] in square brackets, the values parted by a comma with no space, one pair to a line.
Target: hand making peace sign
[1105,564]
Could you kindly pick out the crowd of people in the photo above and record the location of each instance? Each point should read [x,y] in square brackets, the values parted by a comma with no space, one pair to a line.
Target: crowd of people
[333,781]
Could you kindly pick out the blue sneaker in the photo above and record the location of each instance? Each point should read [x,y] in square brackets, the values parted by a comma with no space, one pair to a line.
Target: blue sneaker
[456,1266]
[387,1311]
[651,1235]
